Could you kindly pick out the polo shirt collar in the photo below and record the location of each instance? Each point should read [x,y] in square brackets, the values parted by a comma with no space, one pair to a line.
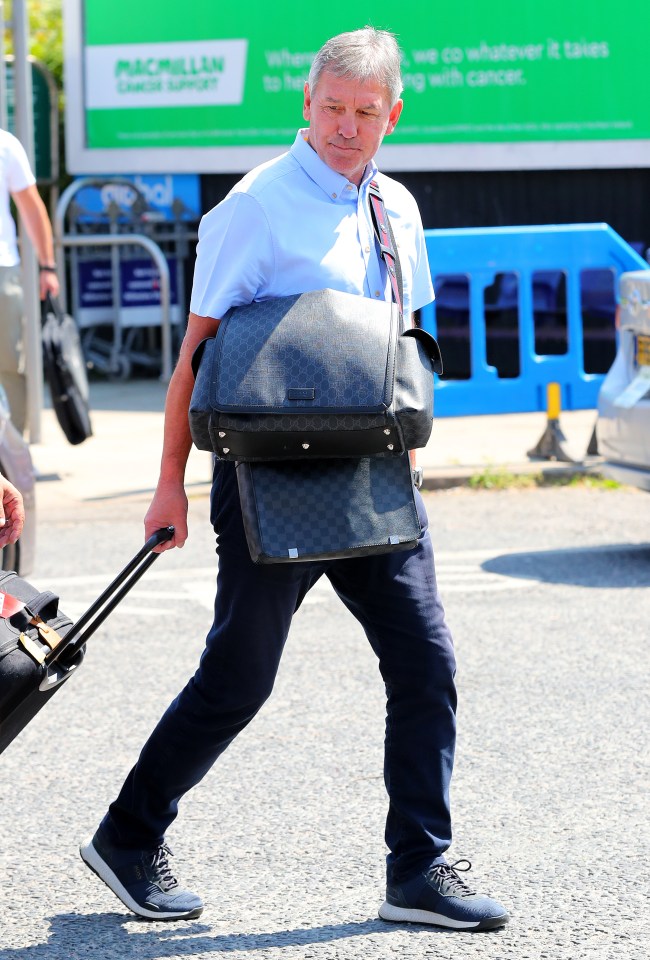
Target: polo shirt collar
[330,182]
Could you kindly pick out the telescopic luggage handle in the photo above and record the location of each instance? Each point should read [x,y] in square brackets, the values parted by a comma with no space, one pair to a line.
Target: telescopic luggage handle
[104,605]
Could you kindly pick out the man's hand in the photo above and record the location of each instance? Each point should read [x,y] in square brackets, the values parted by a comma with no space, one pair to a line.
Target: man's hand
[48,283]
[12,513]
[168,508]
[169,505]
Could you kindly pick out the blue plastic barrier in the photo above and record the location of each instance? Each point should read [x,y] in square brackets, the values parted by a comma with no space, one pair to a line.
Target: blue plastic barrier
[476,257]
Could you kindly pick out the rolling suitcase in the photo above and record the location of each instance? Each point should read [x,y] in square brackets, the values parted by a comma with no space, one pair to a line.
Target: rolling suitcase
[40,648]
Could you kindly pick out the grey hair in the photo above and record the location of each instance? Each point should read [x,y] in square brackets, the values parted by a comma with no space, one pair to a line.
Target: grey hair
[366,54]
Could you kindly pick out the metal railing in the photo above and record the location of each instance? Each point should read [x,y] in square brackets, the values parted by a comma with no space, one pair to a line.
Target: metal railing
[115,240]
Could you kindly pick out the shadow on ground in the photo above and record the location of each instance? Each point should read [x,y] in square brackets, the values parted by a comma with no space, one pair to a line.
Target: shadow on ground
[104,935]
[610,566]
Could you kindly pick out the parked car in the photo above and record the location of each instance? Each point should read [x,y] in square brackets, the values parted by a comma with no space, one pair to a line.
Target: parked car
[623,425]
[16,465]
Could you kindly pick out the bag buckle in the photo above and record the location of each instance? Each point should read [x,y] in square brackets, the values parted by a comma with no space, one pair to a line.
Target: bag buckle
[47,635]
[32,648]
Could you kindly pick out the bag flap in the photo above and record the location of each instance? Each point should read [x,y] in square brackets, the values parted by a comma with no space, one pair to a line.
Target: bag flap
[430,345]
[318,351]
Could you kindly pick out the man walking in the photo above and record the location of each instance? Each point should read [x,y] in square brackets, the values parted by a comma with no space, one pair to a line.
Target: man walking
[302,222]
[18,182]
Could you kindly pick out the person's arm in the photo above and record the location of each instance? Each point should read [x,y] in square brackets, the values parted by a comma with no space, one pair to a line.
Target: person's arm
[33,213]
[12,512]
[169,504]
[233,257]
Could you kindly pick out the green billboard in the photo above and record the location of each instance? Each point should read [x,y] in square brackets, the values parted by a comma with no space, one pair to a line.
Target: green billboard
[205,86]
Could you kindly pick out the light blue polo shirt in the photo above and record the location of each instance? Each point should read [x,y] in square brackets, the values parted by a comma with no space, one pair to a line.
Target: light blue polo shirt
[294,224]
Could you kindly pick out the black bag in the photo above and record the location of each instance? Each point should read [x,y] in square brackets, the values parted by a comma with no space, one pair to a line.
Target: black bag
[40,647]
[65,372]
[326,509]
[319,374]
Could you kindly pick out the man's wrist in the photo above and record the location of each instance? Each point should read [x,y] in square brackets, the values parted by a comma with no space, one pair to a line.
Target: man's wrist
[47,268]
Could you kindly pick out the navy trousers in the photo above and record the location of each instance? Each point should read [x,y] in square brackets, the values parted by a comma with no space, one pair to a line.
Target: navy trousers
[395,598]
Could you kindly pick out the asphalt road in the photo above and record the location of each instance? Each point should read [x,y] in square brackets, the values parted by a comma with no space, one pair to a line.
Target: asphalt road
[547,595]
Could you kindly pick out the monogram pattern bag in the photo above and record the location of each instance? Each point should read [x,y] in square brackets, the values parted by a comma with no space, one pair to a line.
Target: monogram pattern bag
[316,375]
[331,392]
[327,509]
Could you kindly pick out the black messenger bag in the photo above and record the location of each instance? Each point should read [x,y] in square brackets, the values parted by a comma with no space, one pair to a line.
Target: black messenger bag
[316,375]
[327,509]
[320,374]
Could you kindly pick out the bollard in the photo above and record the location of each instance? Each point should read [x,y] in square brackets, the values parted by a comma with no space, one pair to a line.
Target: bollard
[549,446]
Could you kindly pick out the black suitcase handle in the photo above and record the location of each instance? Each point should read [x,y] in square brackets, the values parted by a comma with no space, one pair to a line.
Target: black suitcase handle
[104,605]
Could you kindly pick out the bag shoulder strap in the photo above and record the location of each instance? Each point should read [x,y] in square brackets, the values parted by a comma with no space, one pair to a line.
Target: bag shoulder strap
[387,245]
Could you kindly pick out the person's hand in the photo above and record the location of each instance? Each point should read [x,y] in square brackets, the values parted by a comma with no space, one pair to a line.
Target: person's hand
[168,509]
[48,283]
[12,513]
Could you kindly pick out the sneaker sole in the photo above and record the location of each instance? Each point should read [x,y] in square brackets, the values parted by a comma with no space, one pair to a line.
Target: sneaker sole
[101,869]
[389,911]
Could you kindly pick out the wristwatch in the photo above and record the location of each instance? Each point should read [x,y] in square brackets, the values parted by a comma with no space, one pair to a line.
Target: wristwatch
[418,477]
[47,268]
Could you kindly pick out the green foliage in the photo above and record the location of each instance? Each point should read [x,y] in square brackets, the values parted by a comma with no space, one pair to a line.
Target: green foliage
[496,478]
[592,481]
[45,34]
[45,27]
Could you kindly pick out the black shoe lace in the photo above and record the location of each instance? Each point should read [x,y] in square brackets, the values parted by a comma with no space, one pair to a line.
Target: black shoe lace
[446,879]
[162,873]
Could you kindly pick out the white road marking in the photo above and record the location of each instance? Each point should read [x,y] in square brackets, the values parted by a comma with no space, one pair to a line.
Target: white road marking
[161,591]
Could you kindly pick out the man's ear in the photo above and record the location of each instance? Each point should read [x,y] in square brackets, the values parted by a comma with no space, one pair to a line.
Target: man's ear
[306,107]
[394,116]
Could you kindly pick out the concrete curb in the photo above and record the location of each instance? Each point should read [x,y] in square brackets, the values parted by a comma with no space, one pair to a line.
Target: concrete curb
[445,478]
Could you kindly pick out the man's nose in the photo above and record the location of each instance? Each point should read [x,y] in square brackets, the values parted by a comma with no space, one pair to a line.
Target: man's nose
[348,126]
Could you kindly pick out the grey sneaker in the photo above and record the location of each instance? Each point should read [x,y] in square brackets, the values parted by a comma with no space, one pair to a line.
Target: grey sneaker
[142,879]
[440,897]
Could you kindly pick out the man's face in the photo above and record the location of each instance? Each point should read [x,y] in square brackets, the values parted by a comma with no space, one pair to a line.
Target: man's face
[348,120]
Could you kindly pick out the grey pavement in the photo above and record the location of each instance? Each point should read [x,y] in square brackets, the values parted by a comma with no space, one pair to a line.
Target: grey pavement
[120,462]
[546,592]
